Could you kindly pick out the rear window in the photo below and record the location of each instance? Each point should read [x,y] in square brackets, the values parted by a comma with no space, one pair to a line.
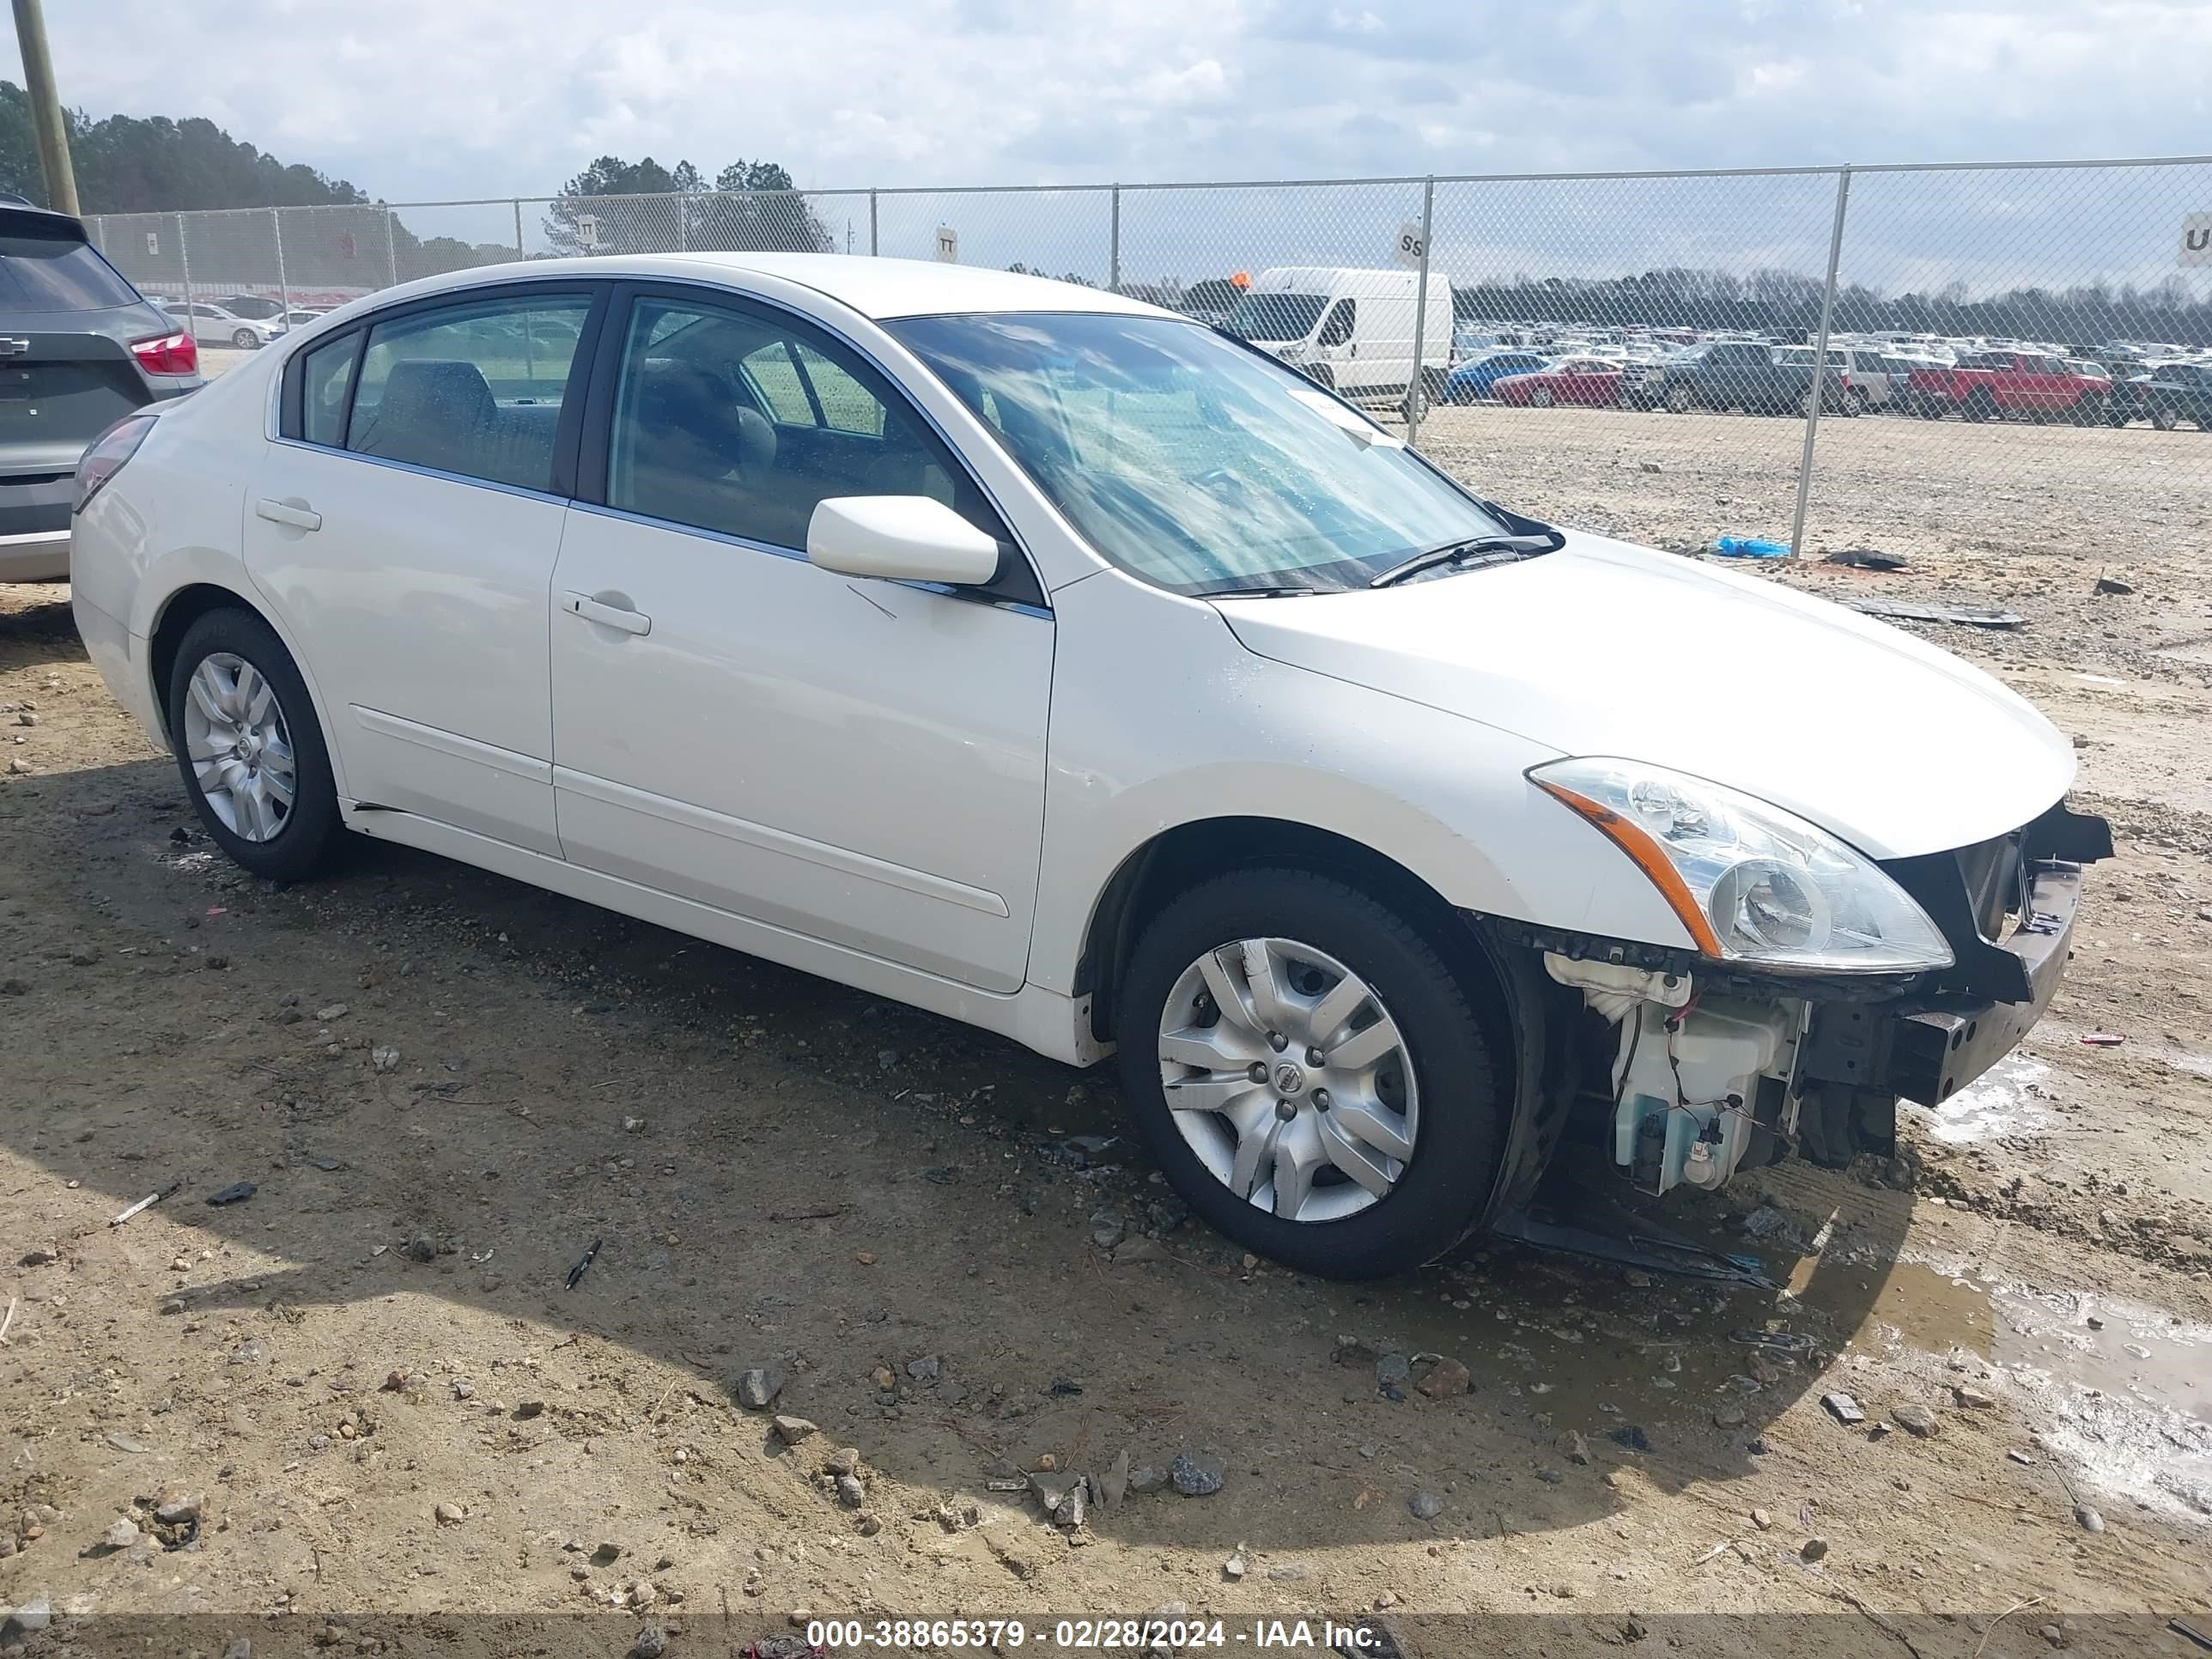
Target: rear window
[57,273]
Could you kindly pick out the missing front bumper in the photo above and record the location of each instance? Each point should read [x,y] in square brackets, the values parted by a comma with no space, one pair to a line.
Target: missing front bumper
[1930,1053]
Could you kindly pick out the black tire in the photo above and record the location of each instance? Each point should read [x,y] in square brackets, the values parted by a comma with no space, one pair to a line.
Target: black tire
[2164,417]
[304,843]
[1681,400]
[1432,382]
[1462,394]
[246,339]
[1980,406]
[1446,1184]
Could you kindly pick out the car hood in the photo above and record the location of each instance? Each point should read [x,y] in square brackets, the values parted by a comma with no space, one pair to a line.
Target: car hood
[1604,649]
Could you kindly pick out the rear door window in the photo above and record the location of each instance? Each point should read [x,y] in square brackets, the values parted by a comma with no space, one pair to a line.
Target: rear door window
[58,273]
[474,388]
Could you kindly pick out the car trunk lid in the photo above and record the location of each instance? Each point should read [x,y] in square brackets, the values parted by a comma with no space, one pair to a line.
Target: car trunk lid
[58,393]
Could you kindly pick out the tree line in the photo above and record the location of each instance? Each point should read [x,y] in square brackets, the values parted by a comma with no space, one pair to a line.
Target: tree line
[136,164]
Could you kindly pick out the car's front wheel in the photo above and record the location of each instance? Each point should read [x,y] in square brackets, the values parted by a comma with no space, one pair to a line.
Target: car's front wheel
[249,747]
[1310,1074]
[246,339]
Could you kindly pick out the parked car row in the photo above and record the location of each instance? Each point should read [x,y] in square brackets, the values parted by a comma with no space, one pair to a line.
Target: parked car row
[1761,378]
[1720,374]
[245,321]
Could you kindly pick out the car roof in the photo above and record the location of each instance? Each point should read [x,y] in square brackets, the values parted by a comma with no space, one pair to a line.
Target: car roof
[876,288]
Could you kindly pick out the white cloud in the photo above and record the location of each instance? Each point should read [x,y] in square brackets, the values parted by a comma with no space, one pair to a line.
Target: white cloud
[418,100]
[415,98]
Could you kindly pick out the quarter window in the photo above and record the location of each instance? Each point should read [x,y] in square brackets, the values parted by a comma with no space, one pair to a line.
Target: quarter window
[728,422]
[474,388]
[325,384]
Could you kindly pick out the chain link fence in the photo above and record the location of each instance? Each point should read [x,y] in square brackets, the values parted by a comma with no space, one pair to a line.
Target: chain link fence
[1822,358]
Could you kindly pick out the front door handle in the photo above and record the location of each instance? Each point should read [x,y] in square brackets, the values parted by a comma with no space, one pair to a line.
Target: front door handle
[609,616]
[289,512]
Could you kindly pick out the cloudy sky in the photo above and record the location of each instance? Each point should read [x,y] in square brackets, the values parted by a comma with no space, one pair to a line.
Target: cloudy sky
[430,99]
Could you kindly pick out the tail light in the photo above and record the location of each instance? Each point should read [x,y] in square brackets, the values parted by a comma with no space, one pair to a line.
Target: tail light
[167,354]
[107,453]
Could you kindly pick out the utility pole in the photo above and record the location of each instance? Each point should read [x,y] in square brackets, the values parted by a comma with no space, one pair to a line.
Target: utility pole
[46,124]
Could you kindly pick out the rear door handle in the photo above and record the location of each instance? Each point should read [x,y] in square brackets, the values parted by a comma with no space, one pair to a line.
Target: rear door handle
[610,616]
[299,518]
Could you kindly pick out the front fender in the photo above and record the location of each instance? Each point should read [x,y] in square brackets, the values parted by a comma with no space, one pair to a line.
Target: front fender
[1189,725]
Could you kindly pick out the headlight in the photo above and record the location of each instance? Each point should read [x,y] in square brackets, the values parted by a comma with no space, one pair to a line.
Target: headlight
[1750,882]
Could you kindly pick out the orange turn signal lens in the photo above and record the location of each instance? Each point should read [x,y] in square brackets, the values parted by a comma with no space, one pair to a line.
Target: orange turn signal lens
[1649,858]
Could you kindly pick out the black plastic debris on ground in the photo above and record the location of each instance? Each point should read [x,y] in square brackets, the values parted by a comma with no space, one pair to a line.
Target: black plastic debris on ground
[1868,558]
[1970,616]
[237,1192]
[576,1272]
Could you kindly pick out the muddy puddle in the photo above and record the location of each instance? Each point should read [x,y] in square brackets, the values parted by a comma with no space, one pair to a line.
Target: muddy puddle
[2117,1394]
[2113,1397]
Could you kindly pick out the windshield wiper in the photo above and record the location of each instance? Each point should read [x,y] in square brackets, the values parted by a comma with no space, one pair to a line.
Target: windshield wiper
[1499,550]
[1254,590]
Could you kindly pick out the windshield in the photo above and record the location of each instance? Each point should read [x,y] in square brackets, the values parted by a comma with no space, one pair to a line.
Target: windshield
[1275,316]
[1189,461]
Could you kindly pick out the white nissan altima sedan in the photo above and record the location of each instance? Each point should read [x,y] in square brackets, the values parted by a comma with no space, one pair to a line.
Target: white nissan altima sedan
[1055,662]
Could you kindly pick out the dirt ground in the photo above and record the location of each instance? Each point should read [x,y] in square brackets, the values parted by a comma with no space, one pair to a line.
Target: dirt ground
[360,1409]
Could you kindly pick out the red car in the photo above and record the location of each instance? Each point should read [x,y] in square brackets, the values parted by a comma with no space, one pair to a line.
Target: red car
[1988,385]
[1569,380]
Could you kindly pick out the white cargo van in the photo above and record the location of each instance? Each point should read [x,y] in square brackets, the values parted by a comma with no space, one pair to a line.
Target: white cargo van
[1350,329]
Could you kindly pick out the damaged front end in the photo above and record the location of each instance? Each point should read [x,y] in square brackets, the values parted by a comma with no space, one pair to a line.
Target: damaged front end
[1710,1067]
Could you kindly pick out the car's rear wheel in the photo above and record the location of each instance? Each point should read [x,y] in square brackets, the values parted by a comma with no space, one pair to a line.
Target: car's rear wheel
[1309,1073]
[1981,407]
[1541,398]
[1679,400]
[1459,392]
[249,748]
[2164,417]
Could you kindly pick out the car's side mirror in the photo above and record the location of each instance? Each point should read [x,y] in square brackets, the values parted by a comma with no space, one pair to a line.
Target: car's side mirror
[915,538]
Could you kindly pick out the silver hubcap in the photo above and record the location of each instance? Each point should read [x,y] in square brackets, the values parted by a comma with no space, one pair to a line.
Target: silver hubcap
[1289,1079]
[239,747]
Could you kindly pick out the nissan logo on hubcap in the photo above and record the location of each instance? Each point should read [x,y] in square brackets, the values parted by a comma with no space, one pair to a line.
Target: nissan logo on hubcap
[1289,1079]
